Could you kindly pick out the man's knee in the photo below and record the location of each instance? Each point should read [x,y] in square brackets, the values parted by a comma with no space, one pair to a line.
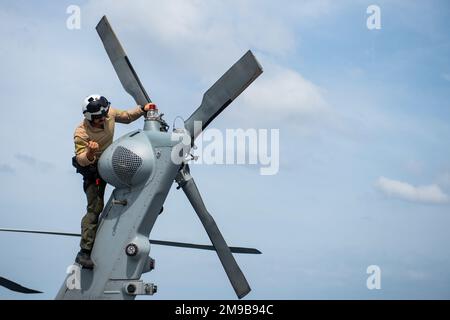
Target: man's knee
[90,218]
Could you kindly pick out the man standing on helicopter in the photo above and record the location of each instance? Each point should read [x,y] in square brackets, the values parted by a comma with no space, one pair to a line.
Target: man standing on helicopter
[91,138]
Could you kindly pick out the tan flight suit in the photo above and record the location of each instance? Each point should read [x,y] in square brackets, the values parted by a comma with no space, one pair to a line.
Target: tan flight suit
[95,188]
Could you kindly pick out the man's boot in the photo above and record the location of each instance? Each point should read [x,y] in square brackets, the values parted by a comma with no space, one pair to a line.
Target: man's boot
[84,258]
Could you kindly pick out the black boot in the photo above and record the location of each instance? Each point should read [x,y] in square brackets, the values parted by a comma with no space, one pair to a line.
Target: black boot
[84,258]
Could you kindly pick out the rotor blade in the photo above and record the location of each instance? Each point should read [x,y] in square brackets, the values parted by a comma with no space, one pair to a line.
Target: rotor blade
[15,286]
[224,91]
[242,250]
[204,247]
[121,63]
[43,232]
[234,273]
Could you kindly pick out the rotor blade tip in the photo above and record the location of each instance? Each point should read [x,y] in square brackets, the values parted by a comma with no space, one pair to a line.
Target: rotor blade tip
[103,20]
[242,295]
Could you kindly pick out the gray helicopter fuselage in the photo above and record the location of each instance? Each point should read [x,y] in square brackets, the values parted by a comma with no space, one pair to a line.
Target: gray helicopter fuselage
[140,167]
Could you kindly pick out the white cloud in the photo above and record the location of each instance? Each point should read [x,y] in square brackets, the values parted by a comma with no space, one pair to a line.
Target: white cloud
[283,90]
[283,97]
[197,25]
[198,35]
[402,190]
[446,76]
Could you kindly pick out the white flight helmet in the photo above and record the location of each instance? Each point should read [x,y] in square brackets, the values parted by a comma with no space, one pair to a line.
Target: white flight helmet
[95,106]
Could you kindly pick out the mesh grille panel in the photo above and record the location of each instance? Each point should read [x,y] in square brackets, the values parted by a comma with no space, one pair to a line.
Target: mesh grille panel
[125,164]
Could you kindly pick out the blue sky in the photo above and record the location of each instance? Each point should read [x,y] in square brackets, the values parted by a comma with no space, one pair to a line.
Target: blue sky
[364,177]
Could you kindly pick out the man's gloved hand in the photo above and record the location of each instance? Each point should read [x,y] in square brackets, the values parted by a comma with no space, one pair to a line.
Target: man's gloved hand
[92,147]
